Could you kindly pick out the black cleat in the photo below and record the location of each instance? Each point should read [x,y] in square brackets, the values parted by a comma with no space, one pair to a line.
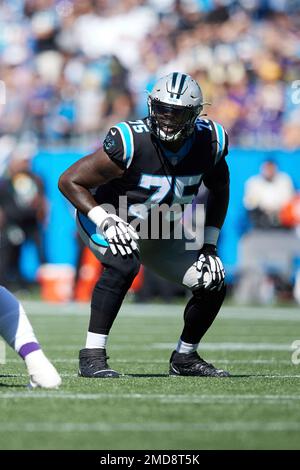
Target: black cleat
[93,363]
[193,365]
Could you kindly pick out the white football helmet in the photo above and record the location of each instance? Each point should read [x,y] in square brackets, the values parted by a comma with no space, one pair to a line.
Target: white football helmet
[174,104]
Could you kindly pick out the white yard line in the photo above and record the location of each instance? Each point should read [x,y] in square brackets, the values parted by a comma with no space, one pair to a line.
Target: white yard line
[155,310]
[228,346]
[238,426]
[162,361]
[172,398]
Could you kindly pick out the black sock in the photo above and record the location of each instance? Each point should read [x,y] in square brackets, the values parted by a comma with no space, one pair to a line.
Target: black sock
[200,313]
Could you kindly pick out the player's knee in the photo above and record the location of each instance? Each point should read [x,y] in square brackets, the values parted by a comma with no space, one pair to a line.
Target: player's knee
[120,276]
[129,267]
[206,300]
[215,295]
[134,270]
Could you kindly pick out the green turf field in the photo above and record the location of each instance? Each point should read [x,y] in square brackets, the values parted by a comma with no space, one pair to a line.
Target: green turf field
[258,408]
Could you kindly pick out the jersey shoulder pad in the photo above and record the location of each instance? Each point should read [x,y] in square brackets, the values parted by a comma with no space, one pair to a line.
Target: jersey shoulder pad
[119,144]
[219,141]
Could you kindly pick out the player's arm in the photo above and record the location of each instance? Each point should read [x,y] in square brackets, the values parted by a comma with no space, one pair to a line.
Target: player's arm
[89,172]
[208,272]
[217,181]
[209,267]
[218,198]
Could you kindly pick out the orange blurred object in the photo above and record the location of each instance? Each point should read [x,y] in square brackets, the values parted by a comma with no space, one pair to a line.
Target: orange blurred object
[290,213]
[138,280]
[89,272]
[56,281]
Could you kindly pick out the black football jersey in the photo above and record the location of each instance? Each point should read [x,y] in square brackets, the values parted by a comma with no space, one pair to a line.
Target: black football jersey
[154,175]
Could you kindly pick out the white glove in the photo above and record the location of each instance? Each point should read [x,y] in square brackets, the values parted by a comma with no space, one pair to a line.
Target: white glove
[120,235]
[207,272]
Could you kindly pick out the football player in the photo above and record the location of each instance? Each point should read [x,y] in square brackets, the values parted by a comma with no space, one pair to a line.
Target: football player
[161,159]
[17,331]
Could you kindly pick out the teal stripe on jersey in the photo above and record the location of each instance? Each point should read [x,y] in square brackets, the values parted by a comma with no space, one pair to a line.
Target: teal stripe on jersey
[127,140]
[221,140]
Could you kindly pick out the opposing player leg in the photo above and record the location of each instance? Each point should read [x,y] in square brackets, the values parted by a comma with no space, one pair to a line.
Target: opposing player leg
[17,331]
[107,298]
[171,259]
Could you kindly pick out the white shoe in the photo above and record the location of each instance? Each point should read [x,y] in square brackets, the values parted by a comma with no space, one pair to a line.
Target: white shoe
[42,373]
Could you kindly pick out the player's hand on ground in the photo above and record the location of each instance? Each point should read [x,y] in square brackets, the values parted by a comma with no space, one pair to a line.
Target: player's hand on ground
[120,235]
[210,268]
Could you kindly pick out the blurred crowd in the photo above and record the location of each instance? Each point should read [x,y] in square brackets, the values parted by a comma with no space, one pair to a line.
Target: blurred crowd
[71,68]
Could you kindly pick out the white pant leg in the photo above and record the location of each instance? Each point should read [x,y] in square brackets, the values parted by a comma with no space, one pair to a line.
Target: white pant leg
[15,327]
[168,258]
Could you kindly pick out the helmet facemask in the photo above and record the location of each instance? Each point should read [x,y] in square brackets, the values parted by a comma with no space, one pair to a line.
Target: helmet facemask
[171,122]
[174,104]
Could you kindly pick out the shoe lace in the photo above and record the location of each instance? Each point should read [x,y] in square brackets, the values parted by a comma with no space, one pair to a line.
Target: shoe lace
[196,359]
[98,360]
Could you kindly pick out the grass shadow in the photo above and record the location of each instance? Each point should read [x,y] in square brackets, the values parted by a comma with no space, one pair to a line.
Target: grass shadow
[232,376]
[11,376]
[12,385]
[145,375]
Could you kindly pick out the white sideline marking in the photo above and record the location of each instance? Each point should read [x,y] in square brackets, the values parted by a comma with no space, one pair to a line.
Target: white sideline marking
[37,308]
[128,375]
[164,398]
[238,426]
[161,361]
[232,346]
